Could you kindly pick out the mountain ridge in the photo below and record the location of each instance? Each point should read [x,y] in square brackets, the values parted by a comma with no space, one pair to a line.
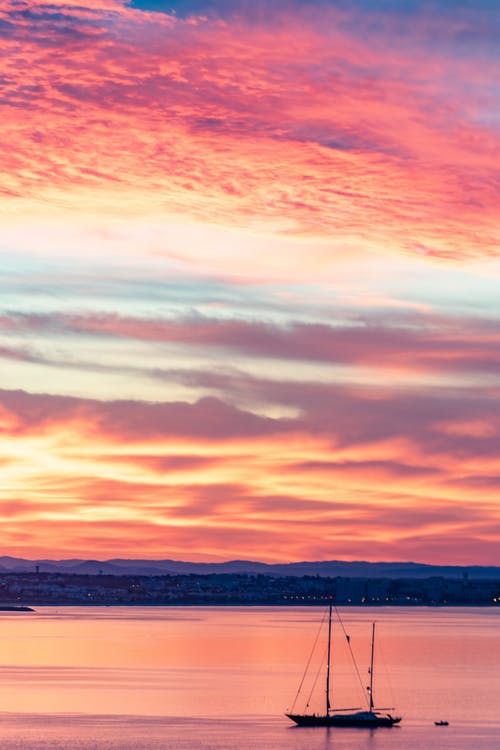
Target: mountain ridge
[325,568]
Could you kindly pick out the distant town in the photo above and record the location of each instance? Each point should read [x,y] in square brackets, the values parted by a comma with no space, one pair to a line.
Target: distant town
[28,589]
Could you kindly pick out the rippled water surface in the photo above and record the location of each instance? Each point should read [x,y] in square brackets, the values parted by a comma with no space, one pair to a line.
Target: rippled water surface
[217,678]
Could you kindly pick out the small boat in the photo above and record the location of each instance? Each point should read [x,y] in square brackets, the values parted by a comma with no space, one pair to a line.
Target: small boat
[442,723]
[346,717]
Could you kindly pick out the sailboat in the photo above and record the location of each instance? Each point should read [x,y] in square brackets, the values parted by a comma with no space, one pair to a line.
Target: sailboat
[347,717]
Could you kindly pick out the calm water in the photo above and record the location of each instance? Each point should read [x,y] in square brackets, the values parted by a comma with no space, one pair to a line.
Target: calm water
[220,678]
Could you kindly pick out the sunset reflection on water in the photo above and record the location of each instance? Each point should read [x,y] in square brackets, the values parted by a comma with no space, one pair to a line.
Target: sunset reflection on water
[244,662]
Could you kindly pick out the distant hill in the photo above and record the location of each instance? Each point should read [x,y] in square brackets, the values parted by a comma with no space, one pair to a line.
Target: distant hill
[329,568]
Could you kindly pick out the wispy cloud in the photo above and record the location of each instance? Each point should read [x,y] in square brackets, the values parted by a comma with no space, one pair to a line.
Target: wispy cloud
[311,119]
[414,343]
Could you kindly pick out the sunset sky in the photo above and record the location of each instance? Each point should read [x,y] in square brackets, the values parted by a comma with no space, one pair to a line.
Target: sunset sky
[250,279]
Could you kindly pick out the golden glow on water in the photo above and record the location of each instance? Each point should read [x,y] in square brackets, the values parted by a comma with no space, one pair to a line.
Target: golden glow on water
[195,662]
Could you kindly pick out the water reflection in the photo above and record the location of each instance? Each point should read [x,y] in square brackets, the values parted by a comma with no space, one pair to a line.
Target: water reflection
[227,674]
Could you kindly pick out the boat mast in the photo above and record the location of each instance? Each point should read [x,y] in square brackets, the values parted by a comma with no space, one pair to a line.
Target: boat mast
[371,666]
[328,661]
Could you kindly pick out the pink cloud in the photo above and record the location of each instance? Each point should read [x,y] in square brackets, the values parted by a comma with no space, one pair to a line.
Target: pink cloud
[313,123]
[408,343]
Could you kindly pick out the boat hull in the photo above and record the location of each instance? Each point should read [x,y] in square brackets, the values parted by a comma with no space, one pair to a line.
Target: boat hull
[367,719]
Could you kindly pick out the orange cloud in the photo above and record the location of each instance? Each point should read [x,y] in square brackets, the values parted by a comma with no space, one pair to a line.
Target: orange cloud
[151,481]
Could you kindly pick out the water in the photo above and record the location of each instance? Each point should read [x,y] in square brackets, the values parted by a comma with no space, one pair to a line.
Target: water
[220,678]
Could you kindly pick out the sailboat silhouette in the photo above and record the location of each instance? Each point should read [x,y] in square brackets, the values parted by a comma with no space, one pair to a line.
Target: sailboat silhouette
[347,717]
